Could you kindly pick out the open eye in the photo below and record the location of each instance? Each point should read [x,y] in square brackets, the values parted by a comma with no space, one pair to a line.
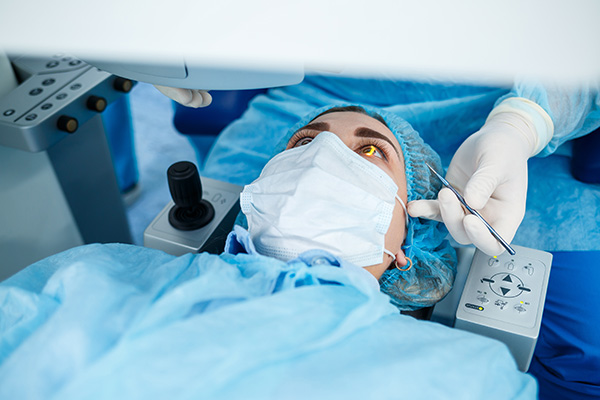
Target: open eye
[303,141]
[372,151]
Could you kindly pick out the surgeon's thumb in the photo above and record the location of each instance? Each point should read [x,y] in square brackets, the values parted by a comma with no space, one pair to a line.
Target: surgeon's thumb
[429,209]
[480,188]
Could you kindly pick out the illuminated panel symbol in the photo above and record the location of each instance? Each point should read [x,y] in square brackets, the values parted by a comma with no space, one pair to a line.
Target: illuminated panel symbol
[474,306]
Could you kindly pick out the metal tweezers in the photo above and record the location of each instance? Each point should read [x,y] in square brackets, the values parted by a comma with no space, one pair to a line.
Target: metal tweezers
[474,212]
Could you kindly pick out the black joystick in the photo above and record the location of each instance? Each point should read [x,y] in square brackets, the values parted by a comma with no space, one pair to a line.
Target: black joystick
[190,211]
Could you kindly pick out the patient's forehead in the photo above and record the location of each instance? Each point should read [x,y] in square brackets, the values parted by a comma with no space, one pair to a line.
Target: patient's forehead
[352,118]
[347,121]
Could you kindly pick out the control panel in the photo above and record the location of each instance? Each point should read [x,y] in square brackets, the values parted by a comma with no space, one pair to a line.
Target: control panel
[57,94]
[503,297]
[509,290]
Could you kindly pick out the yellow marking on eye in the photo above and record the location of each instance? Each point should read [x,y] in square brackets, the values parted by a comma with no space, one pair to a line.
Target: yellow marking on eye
[372,149]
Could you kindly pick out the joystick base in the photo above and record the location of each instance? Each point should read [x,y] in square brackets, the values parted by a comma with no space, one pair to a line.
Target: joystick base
[224,198]
[191,218]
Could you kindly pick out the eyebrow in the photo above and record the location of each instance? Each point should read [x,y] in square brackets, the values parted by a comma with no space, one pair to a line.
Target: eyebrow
[315,126]
[359,132]
[370,133]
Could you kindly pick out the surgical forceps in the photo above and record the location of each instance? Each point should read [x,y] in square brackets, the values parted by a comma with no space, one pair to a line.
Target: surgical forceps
[474,212]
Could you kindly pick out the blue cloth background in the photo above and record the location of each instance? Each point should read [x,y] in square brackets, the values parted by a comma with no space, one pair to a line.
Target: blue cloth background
[566,361]
[120,321]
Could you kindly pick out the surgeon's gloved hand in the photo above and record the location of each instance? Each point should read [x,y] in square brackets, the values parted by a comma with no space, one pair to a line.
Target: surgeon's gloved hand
[186,97]
[490,170]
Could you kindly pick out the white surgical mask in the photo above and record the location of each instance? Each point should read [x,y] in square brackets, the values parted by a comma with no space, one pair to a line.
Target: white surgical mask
[321,196]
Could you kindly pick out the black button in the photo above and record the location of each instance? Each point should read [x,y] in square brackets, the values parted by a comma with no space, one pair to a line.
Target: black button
[67,124]
[46,106]
[48,82]
[504,290]
[36,91]
[75,62]
[8,112]
[31,117]
[61,96]
[123,85]
[52,64]
[507,279]
[96,103]
[75,86]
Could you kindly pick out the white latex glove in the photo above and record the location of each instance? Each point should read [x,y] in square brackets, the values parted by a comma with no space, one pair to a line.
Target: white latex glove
[490,170]
[186,97]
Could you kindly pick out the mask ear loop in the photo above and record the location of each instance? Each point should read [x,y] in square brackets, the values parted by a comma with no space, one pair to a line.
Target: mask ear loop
[404,207]
[410,263]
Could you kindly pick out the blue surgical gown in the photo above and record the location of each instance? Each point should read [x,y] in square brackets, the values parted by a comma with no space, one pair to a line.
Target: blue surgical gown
[124,322]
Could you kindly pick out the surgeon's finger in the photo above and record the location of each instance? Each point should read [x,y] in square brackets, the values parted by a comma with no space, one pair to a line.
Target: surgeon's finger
[187,97]
[200,98]
[481,237]
[429,209]
[453,215]
[480,187]
[182,96]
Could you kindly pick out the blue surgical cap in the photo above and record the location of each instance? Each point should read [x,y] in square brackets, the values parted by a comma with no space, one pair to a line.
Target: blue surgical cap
[434,260]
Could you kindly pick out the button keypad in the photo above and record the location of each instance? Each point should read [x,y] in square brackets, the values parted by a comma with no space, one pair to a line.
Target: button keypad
[506,288]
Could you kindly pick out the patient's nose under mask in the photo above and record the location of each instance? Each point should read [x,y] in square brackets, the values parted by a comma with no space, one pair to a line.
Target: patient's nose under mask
[321,196]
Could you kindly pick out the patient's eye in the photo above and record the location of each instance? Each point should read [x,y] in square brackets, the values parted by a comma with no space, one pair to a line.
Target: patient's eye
[303,141]
[301,138]
[372,151]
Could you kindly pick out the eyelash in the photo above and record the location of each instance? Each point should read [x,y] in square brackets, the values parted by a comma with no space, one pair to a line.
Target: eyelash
[298,136]
[380,145]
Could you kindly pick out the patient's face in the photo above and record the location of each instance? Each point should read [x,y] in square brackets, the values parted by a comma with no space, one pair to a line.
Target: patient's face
[373,140]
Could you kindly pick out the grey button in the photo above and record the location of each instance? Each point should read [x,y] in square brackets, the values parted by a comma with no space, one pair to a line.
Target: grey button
[31,117]
[8,112]
[501,304]
[36,91]
[46,106]
[520,309]
[52,64]
[528,269]
[75,86]
[48,82]
[61,96]
[75,62]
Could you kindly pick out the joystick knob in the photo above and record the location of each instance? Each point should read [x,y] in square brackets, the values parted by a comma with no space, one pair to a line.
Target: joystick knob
[190,210]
